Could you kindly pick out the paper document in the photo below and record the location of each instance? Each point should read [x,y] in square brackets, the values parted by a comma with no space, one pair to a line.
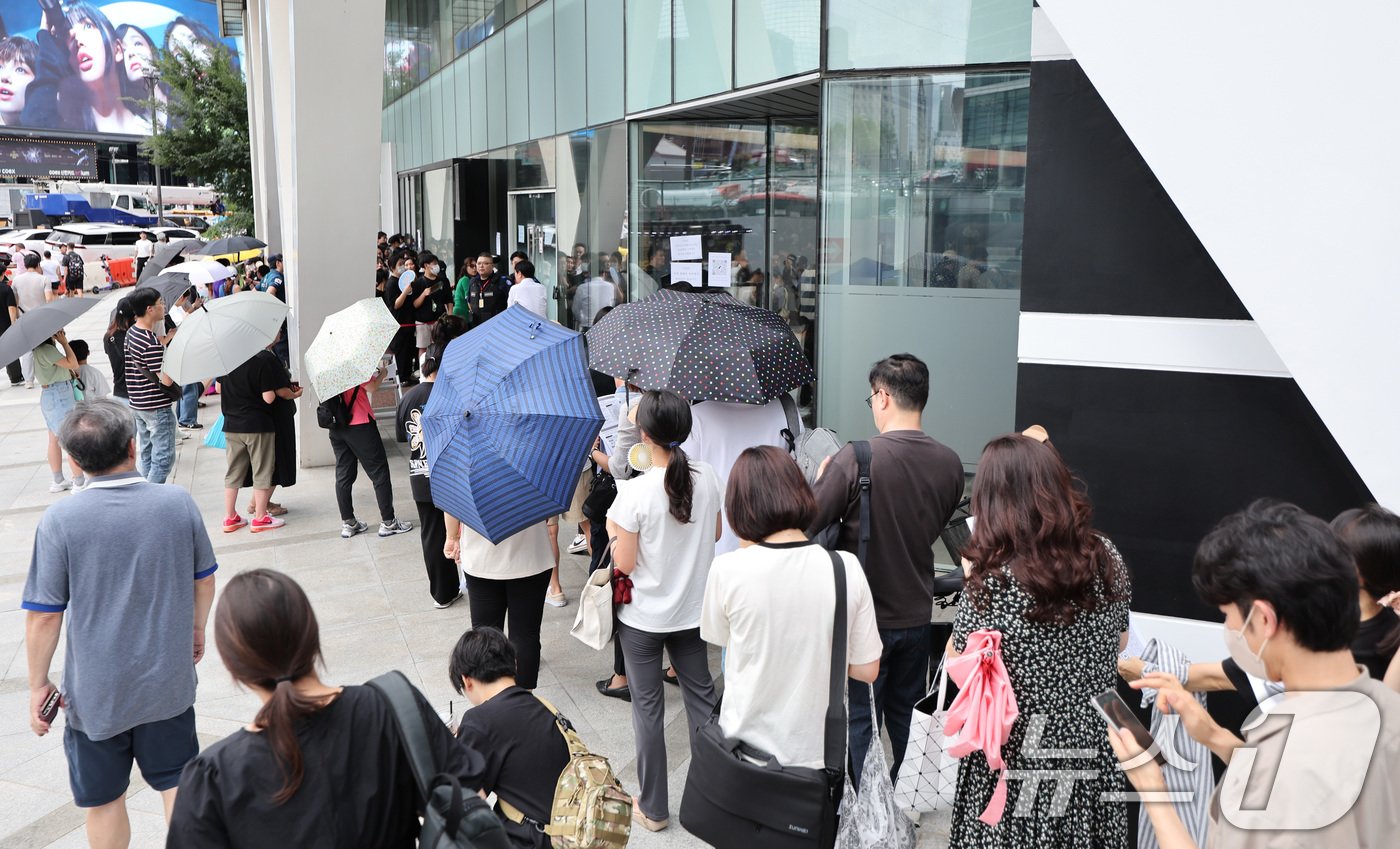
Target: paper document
[719,269]
[685,247]
[608,405]
[687,272]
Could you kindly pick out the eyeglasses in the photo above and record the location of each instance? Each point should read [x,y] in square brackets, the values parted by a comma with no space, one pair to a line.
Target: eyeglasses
[869,401]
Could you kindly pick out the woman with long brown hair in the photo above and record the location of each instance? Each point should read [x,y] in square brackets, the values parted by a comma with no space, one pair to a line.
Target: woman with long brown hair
[320,765]
[1058,593]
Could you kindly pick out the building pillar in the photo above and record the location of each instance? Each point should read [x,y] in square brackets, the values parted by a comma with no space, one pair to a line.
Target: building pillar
[318,125]
[267,215]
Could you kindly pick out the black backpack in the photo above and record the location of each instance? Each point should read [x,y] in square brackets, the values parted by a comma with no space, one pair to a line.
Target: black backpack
[333,413]
[829,536]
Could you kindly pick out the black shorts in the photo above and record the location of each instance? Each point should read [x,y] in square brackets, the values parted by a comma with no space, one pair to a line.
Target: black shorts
[100,770]
[54,284]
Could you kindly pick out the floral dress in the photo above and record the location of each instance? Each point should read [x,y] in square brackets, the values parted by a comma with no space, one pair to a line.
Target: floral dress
[1056,786]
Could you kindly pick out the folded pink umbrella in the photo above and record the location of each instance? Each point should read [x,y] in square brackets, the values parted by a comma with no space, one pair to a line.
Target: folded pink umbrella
[981,716]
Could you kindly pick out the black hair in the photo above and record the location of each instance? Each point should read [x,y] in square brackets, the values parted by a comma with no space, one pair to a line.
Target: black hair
[97,434]
[31,260]
[432,358]
[80,349]
[526,268]
[400,255]
[520,255]
[141,300]
[380,235]
[447,328]
[14,48]
[665,417]
[481,654]
[1273,551]
[1372,533]
[200,31]
[905,378]
[602,312]
[74,90]
[121,317]
[381,275]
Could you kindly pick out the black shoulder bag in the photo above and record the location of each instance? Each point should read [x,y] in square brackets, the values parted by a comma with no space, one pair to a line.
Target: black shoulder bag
[171,391]
[829,536]
[454,817]
[333,413]
[737,795]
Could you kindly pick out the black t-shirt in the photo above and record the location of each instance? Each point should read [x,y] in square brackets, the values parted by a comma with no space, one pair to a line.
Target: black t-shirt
[408,427]
[115,346]
[358,790]
[244,409]
[7,300]
[74,264]
[524,750]
[915,484]
[432,307]
[1366,646]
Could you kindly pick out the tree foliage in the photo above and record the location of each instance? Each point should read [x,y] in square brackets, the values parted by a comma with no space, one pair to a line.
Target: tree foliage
[207,139]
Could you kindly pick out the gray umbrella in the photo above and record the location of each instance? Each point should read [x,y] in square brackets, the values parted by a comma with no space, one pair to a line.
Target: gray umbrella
[231,245]
[39,324]
[166,255]
[170,284]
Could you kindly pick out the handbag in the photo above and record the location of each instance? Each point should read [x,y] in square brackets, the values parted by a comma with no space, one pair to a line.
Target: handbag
[171,391]
[737,795]
[215,437]
[601,494]
[928,778]
[453,817]
[870,819]
[593,624]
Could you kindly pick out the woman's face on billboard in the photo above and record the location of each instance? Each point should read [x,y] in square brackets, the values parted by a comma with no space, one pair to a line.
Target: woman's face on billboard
[87,52]
[183,38]
[15,77]
[139,54]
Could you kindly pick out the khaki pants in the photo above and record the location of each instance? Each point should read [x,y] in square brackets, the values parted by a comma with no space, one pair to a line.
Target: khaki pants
[255,450]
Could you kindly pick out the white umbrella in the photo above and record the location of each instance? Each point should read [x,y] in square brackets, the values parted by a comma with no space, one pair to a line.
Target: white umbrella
[222,335]
[204,271]
[348,347]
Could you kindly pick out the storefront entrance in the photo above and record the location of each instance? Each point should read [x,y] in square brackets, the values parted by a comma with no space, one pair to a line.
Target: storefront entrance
[533,230]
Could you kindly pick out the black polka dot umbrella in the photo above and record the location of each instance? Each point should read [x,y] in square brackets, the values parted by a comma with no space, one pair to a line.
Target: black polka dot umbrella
[705,346]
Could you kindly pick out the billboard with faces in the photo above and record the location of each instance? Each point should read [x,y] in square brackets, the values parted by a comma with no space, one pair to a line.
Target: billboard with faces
[78,65]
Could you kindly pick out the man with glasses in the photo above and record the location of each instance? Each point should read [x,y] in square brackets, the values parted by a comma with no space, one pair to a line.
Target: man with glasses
[145,356]
[915,484]
[488,293]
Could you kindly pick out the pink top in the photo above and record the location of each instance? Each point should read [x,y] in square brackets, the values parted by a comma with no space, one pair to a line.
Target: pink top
[984,710]
[358,398]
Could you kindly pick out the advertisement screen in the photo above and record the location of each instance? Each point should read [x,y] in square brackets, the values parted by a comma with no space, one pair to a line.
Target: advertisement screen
[51,158]
[77,65]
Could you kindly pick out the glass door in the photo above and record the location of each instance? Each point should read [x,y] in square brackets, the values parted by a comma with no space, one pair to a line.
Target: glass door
[533,230]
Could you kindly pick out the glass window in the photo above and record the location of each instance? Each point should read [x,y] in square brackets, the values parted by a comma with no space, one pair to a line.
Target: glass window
[516,110]
[704,40]
[571,64]
[903,33]
[648,54]
[498,108]
[476,78]
[605,84]
[775,38]
[461,108]
[923,191]
[437,213]
[540,23]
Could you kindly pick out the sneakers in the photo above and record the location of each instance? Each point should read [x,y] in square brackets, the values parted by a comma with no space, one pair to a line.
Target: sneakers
[556,599]
[194,426]
[579,545]
[444,605]
[61,486]
[79,484]
[234,523]
[352,527]
[388,529]
[266,523]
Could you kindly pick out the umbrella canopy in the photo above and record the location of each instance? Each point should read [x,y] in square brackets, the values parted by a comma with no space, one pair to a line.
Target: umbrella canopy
[202,271]
[509,423]
[170,284]
[704,346]
[166,254]
[222,335]
[348,347]
[40,323]
[232,245]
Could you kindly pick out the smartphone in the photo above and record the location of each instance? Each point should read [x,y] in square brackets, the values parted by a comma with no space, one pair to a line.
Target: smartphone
[1121,717]
[50,707]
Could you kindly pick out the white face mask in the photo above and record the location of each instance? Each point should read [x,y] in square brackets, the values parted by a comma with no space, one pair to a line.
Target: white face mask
[1250,661]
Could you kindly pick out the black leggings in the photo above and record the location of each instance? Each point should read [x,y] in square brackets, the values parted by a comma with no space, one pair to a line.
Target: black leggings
[355,446]
[522,601]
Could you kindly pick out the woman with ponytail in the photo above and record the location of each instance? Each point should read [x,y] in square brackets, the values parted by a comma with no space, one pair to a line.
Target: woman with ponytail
[320,765]
[663,526]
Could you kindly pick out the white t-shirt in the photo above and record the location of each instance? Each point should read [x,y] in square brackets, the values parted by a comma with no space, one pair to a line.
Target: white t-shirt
[49,268]
[30,287]
[517,556]
[773,607]
[531,295]
[591,297]
[719,433]
[668,584]
[145,248]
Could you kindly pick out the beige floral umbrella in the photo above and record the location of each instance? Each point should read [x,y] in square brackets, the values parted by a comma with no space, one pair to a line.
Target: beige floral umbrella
[349,347]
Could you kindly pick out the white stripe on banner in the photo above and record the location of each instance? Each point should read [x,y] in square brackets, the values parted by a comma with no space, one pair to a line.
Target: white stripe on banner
[1209,346]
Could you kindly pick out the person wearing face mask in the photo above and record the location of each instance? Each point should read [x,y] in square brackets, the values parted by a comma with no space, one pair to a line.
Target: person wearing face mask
[431,299]
[1320,764]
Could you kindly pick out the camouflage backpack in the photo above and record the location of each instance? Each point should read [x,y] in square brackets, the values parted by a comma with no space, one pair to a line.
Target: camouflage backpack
[590,810]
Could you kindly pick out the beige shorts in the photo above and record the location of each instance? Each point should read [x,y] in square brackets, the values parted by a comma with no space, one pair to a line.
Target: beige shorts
[255,450]
[424,333]
[574,515]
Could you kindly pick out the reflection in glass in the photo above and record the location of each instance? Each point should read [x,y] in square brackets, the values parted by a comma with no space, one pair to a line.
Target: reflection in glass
[775,38]
[704,41]
[648,53]
[900,33]
[572,65]
[605,83]
[925,181]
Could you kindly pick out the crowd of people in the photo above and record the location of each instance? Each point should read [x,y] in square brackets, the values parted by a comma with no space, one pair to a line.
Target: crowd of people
[713,537]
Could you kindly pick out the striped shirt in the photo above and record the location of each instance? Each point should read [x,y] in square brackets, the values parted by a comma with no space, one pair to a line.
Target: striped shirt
[143,348]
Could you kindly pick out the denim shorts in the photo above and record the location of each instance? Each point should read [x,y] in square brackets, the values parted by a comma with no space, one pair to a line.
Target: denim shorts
[100,770]
[55,402]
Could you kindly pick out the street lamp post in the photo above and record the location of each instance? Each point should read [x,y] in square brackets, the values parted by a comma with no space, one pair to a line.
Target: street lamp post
[152,76]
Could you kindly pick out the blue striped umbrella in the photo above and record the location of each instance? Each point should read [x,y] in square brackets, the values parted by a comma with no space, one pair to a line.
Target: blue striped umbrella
[509,423]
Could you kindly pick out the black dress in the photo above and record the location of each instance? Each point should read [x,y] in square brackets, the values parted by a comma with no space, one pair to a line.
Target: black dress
[1054,671]
[284,429]
[358,789]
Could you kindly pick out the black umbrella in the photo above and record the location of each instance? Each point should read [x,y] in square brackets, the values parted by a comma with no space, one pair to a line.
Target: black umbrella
[165,255]
[232,245]
[705,346]
[39,324]
[170,284]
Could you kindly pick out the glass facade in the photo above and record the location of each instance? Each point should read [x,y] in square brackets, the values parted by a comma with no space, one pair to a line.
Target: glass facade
[909,33]
[775,38]
[704,40]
